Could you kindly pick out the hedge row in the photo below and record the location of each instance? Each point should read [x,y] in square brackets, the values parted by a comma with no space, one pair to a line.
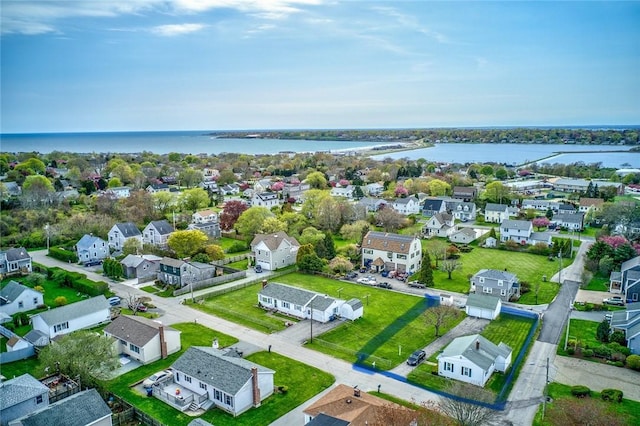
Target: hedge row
[63,255]
[77,281]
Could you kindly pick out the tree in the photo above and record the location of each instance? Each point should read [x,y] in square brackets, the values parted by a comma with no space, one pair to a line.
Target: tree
[440,315]
[602,332]
[340,264]
[502,173]
[389,219]
[496,192]
[541,222]
[201,257]
[230,214]
[190,177]
[271,225]
[328,215]
[187,243]
[466,413]
[450,265]
[310,263]
[194,199]
[251,221]
[37,190]
[114,182]
[353,231]
[549,214]
[426,270]
[316,180]
[112,268]
[163,201]
[31,166]
[326,249]
[438,187]
[131,246]
[584,411]
[98,356]
[214,251]
[438,250]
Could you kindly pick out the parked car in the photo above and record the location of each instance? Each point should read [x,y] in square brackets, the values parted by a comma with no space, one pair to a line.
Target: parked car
[417,284]
[157,378]
[417,357]
[142,307]
[614,300]
[367,280]
[385,285]
[93,263]
[351,275]
[258,269]
[114,301]
[384,273]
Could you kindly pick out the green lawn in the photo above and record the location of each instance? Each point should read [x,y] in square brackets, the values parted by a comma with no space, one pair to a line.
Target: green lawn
[626,410]
[51,291]
[598,283]
[391,328]
[582,330]
[528,267]
[240,265]
[241,306]
[226,243]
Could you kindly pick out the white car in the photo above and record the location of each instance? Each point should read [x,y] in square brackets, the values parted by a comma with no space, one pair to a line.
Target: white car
[156,378]
[367,280]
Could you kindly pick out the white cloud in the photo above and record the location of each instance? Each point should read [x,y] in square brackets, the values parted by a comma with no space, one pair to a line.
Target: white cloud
[176,29]
[410,23]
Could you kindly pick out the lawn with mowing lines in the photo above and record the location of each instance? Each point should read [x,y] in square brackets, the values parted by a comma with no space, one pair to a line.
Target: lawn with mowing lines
[527,267]
[581,330]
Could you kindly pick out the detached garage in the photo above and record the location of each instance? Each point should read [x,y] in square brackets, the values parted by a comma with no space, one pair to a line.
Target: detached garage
[481,306]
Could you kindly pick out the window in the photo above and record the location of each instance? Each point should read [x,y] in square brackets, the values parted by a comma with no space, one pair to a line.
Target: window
[20,304]
[487,290]
[39,399]
[401,256]
[187,379]
[466,371]
[286,305]
[503,292]
[481,279]
[35,300]
[134,348]
[228,400]
[203,386]
[367,251]
[390,254]
[265,299]
[448,366]
[123,342]
[298,308]
[500,283]
[217,395]
[60,327]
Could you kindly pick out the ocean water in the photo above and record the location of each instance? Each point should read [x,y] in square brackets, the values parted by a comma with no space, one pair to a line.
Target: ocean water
[186,142]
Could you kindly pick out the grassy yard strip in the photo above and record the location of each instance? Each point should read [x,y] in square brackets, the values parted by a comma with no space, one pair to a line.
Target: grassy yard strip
[240,265]
[241,306]
[527,267]
[581,330]
[150,289]
[626,409]
[51,291]
[598,283]
[391,328]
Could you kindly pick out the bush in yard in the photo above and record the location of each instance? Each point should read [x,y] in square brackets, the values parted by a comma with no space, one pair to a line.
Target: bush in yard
[587,353]
[570,350]
[617,347]
[512,245]
[525,287]
[618,337]
[20,319]
[580,391]
[618,357]
[602,351]
[633,362]
[63,255]
[39,289]
[60,301]
[237,247]
[614,395]
[602,332]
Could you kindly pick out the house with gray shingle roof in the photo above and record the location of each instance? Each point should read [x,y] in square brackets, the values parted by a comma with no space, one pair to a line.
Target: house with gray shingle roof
[141,267]
[501,284]
[569,221]
[628,321]
[75,316]
[15,297]
[521,231]
[91,249]
[157,233]
[300,303]
[439,225]
[402,253]
[483,306]
[431,206]
[143,339]
[80,409]
[407,205]
[463,236]
[274,251]
[121,232]
[21,396]
[15,261]
[472,359]
[461,210]
[231,384]
[496,213]
[627,280]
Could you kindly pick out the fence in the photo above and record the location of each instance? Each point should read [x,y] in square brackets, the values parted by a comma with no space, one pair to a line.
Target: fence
[231,259]
[124,413]
[17,355]
[210,282]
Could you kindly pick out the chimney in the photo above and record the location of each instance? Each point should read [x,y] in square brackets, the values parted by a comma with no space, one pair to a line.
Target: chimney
[163,343]
[264,283]
[356,391]
[255,387]
[477,345]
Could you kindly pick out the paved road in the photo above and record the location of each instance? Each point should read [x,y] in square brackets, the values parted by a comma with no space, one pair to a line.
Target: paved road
[555,317]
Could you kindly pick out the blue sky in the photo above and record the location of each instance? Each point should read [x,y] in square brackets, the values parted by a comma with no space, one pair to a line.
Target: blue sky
[118,65]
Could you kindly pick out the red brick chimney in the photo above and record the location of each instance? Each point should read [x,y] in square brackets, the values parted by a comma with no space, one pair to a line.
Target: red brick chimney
[163,343]
[255,387]
[264,283]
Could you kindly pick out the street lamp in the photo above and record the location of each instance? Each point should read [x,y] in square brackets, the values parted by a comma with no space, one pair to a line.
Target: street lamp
[47,228]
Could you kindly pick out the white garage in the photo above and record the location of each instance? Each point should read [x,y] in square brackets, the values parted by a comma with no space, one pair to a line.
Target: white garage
[481,306]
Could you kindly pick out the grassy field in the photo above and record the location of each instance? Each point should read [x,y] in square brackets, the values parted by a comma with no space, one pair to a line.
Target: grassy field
[528,267]
[240,265]
[241,306]
[598,283]
[627,410]
[51,291]
[582,330]
[391,328]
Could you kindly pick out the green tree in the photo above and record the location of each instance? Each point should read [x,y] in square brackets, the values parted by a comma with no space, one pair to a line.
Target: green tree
[201,257]
[187,243]
[272,224]
[214,251]
[316,180]
[438,187]
[496,192]
[502,173]
[190,177]
[31,166]
[114,182]
[303,250]
[194,199]
[310,263]
[603,330]
[37,190]
[98,356]
[131,246]
[251,221]
[426,270]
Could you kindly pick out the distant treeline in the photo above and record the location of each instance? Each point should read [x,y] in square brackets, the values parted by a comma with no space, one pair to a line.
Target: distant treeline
[627,136]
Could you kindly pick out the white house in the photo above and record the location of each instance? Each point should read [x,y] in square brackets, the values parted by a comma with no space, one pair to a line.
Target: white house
[230,383]
[346,191]
[76,316]
[120,191]
[121,232]
[206,221]
[274,251]
[143,339]
[407,206]
[439,225]
[462,210]
[15,297]
[472,359]
[374,189]
[91,249]
[396,252]
[496,213]
[157,187]
[587,204]
[569,221]
[204,216]
[16,343]
[15,261]
[300,303]
[20,396]
[482,306]
[157,233]
[521,231]
[502,284]
[266,199]
[463,236]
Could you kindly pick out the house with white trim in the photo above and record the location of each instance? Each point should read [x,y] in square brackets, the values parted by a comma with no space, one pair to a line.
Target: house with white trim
[496,213]
[142,339]
[628,321]
[266,199]
[406,206]
[141,267]
[463,236]
[391,251]
[462,210]
[15,261]
[15,297]
[66,319]
[472,359]
[627,280]
[343,191]
[274,251]
[374,189]
[157,233]
[206,221]
[569,221]
[439,225]
[91,249]
[521,231]
[432,206]
[502,284]
[121,232]
[20,396]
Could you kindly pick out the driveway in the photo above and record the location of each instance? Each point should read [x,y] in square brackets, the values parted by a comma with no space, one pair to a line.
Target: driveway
[591,296]
[555,317]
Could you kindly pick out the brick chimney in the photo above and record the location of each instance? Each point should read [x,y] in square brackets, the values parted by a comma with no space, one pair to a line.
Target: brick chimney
[163,343]
[264,283]
[255,387]
[477,345]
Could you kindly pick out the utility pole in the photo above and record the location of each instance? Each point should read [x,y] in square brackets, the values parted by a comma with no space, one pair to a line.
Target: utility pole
[544,393]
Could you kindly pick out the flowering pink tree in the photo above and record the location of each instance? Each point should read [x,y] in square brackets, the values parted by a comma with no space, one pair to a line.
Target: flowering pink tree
[278,186]
[541,222]
[401,191]
[344,182]
[614,241]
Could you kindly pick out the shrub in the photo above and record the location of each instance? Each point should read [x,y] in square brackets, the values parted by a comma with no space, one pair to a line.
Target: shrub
[617,347]
[587,353]
[39,289]
[618,357]
[525,287]
[60,301]
[614,395]
[602,351]
[618,337]
[580,391]
[20,319]
[633,362]
[237,247]
[63,255]
[570,350]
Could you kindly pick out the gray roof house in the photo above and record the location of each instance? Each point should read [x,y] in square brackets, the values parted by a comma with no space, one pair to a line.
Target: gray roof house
[501,284]
[21,396]
[570,221]
[274,251]
[230,383]
[91,249]
[157,233]
[628,321]
[75,316]
[496,213]
[627,280]
[142,267]
[521,231]
[483,306]
[473,359]
[143,339]
[15,261]
[463,236]
[15,297]
[432,206]
[80,409]
[121,232]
